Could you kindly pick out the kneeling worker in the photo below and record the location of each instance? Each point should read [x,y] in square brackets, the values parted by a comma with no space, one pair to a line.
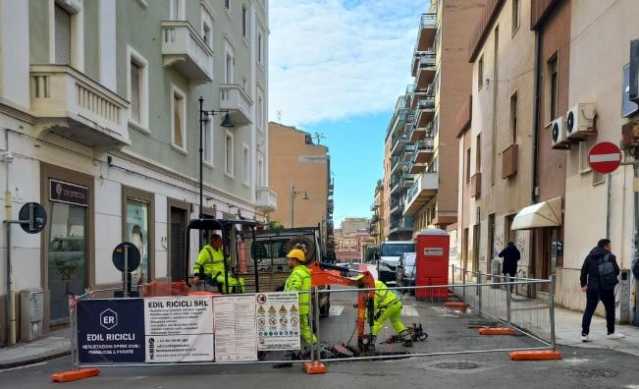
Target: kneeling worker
[300,281]
[210,261]
[389,307]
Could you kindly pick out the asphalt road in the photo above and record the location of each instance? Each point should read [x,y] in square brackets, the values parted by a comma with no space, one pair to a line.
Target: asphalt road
[580,368]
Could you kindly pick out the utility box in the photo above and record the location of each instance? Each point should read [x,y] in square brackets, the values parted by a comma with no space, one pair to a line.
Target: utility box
[31,314]
[625,280]
[431,263]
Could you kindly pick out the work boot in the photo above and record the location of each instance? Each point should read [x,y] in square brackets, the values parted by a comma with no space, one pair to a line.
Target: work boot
[407,338]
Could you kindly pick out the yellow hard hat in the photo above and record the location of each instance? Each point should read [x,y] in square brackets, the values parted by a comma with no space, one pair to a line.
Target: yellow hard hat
[297,254]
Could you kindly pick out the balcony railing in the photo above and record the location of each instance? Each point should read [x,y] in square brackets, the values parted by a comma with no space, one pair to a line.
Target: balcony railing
[400,224]
[72,105]
[428,20]
[427,31]
[235,99]
[183,48]
[425,150]
[266,199]
[426,102]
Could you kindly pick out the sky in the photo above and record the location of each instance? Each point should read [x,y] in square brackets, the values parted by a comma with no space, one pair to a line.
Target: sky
[337,68]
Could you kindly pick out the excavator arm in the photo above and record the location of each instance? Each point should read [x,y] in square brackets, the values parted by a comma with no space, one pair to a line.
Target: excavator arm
[326,275]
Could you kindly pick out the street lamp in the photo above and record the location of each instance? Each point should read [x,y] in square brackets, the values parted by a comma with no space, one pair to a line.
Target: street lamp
[204,118]
[293,194]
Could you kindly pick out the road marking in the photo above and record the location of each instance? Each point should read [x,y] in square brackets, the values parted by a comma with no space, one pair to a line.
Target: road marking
[410,311]
[335,310]
[23,367]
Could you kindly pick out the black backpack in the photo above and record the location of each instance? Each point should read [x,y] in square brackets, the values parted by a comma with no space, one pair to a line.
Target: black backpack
[607,274]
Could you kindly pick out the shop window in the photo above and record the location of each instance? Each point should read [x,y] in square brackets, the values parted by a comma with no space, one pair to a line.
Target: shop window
[137,228]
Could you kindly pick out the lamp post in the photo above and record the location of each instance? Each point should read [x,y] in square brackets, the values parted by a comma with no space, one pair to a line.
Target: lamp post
[293,194]
[204,118]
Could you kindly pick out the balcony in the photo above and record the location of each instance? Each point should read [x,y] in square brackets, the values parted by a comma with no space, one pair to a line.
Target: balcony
[420,133]
[68,103]
[475,185]
[426,68]
[509,159]
[397,208]
[409,151]
[416,168]
[424,188]
[401,224]
[398,144]
[426,109]
[427,31]
[235,99]
[183,49]
[266,199]
[425,151]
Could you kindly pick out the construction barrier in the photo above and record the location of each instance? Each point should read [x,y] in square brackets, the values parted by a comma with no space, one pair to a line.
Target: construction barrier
[171,325]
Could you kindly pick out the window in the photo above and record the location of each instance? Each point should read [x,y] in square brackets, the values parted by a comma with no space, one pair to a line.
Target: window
[138,89]
[228,154]
[178,120]
[480,73]
[62,36]
[468,165]
[509,234]
[229,63]
[513,117]
[207,141]
[177,11]
[553,87]
[260,170]
[207,27]
[244,21]
[260,111]
[246,165]
[478,154]
[137,228]
[491,239]
[260,48]
[227,4]
[516,17]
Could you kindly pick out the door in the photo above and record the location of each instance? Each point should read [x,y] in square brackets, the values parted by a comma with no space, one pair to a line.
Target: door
[177,243]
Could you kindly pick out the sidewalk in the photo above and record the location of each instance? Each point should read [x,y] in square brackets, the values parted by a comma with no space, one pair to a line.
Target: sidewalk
[568,327]
[55,345]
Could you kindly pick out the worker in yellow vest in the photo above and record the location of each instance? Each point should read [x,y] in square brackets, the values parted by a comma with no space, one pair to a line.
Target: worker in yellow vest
[300,281]
[210,261]
[388,307]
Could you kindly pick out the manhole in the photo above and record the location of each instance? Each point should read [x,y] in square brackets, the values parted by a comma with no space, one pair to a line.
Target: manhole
[593,373]
[456,365]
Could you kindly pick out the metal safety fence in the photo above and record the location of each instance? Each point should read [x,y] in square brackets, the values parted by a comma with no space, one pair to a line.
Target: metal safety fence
[170,325]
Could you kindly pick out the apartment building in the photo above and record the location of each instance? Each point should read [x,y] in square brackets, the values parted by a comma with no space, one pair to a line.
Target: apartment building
[100,114]
[496,132]
[300,174]
[376,229]
[551,78]
[352,239]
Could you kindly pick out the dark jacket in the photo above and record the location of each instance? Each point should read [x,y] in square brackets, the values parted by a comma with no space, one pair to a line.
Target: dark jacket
[590,268]
[511,255]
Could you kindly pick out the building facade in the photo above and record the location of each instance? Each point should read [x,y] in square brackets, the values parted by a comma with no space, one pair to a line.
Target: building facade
[376,229]
[352,239]
[101,125]
[299,172]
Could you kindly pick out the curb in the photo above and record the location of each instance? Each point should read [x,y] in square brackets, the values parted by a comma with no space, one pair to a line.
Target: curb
[38,359]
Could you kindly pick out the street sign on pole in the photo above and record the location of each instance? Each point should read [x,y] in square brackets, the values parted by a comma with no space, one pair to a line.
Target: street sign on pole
[33,218]
[604,157]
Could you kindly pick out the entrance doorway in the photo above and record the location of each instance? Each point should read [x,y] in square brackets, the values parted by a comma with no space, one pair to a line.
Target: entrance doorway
[178,220]
[67,264]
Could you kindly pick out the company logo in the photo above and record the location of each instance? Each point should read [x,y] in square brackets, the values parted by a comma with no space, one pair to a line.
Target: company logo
[108,319]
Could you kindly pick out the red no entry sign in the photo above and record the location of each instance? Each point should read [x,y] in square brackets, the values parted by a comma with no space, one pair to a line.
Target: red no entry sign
[604,157]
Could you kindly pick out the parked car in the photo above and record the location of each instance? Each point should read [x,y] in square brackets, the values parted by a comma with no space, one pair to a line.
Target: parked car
[390,253]
[406,270]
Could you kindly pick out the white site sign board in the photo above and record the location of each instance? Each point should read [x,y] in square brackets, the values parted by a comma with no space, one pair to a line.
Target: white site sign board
[178,329]
[235,334]
[278,326]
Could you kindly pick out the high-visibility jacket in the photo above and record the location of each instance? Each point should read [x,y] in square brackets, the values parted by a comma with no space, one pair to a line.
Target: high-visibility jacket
[211,260]
[384,297]
[300,281]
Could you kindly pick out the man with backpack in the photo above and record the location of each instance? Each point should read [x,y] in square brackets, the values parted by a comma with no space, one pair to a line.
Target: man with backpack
[599,276]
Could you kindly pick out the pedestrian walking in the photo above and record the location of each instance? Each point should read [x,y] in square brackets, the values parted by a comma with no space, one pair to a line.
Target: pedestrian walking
[599,275]
[511,256]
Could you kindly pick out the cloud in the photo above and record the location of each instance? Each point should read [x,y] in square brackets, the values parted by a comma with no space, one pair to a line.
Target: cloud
[332,59]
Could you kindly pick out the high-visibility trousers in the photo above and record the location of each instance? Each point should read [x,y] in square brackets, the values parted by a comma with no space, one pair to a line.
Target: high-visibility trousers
[306,331]
[393,312]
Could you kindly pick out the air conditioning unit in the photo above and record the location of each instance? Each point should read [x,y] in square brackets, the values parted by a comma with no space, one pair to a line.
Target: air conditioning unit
[580,121]
[558,133]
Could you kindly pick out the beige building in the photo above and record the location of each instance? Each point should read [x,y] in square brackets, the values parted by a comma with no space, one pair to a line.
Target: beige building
[495,142]
[299,172]
[377,222]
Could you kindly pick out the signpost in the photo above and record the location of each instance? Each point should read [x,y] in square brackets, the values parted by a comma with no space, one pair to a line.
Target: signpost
[604,157]
[126,258]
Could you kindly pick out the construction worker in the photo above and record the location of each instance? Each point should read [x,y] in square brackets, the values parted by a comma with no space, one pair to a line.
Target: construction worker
[300,281]
[210,261]
[387,306]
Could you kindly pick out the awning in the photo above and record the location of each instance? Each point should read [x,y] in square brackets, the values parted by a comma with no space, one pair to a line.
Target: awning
[544,214]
